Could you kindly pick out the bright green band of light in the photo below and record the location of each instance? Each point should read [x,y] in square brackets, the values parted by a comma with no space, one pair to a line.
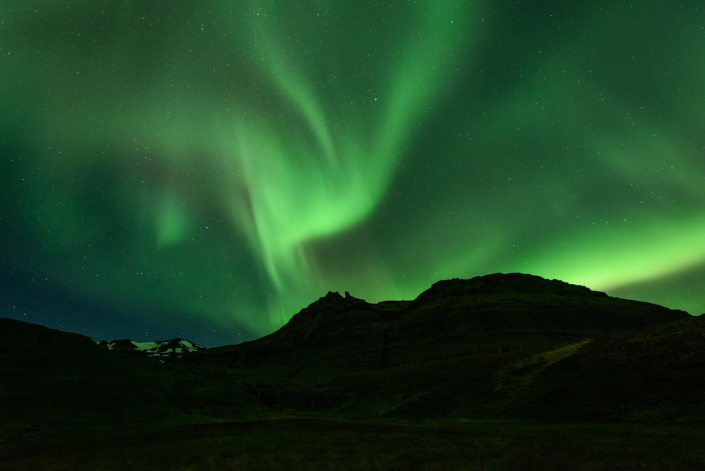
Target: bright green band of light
[239,159]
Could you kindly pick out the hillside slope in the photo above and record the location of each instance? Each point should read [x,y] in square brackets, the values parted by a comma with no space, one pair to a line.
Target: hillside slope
[654,374]
[453,318]
[59,380]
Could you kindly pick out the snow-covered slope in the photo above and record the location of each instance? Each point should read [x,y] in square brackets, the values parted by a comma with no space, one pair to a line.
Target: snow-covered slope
[162,349]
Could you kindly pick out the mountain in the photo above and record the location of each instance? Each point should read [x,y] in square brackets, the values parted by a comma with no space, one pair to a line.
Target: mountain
[52,380]
[493,313]
[466,365]
[653,374]
[167,349]
[494,347]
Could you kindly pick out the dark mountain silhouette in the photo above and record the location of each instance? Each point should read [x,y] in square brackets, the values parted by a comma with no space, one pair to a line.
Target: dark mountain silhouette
[52,380]
[494,347]
[456,317]
[652,374]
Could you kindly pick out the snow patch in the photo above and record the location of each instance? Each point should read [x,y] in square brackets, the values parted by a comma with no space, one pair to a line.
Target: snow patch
[142,346]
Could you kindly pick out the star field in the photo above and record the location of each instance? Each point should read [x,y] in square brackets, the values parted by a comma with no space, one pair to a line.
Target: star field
[207,170]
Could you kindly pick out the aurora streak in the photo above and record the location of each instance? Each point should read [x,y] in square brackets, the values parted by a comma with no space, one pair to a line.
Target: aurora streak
[231,162]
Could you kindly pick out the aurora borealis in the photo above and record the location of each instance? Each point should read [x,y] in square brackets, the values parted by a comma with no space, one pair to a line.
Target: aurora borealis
[210,168]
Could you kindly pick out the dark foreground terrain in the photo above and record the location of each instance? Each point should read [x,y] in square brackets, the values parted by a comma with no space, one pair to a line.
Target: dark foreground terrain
[496,372]
[335,444]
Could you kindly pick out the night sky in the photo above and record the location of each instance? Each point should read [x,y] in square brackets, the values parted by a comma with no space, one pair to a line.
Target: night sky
[206,169]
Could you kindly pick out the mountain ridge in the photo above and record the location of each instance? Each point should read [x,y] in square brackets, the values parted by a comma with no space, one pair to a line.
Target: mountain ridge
[488,348]
[451,318]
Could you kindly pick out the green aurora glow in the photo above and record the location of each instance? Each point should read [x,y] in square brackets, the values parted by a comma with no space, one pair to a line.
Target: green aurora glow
[237,160]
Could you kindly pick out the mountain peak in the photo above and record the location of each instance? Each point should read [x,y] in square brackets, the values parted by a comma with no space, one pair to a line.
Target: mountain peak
[509,283]
[173,348]
[332,296]
[452,318]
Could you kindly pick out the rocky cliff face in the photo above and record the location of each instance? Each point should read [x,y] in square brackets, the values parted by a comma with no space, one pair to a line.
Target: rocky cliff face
[500,312]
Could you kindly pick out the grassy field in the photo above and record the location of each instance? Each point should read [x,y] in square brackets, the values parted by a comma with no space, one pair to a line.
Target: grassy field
[337,444]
